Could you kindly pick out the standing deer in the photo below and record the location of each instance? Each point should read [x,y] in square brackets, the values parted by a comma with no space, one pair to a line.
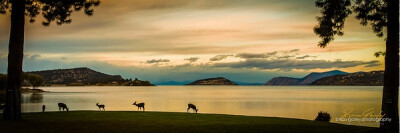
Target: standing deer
[43,108]
[63,106]
[192,106]
[101,106]
[140,105]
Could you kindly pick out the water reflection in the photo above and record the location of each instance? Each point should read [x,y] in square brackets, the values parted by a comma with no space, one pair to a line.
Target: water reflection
[302,102]
[32,98]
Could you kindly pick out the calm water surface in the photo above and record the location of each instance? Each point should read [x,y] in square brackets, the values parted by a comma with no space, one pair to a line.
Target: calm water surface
[302,102]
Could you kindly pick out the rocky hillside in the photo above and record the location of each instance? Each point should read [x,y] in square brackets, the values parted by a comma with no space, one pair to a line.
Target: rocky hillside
[76,75]
[373,78]
[303,81]
[283,81]
[213,81]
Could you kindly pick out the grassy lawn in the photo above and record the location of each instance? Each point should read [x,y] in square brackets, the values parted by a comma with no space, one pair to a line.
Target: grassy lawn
[124,121]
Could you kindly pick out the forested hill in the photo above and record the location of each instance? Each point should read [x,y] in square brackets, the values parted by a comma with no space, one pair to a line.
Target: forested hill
[76,75]
[373,78]
[213,81]
[303,81]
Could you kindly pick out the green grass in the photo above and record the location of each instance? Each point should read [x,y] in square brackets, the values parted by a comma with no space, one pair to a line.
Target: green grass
[124,121]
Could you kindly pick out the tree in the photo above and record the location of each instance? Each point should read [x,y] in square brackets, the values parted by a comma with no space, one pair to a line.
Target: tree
[58,11]
[34,79]
[3,82]
[381,15]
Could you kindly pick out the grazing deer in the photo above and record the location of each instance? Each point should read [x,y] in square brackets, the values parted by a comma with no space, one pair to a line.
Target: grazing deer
[63,106]
[101,106]
[192,106]
[140,105]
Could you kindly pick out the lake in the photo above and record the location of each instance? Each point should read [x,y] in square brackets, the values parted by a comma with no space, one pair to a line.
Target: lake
[301,102]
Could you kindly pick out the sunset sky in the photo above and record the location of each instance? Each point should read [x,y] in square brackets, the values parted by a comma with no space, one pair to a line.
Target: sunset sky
[185,40]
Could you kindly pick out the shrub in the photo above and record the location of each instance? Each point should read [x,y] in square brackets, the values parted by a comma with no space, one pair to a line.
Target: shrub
[323,116]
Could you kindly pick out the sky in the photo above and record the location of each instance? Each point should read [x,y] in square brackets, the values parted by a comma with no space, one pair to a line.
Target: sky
[186,40]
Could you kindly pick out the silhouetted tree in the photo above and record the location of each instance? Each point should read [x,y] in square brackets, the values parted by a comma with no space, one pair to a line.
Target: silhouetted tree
[380,14]
[3,82]
[34,79]
[58,11]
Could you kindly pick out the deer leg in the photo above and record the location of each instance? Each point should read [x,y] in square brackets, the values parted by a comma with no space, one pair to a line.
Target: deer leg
[187,111]
[143,108]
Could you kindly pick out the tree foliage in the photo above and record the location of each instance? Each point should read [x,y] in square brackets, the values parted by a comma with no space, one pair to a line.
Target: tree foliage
[58,11]
[334,13]
[380,53]
[331,22]
[374,12]
[34,79]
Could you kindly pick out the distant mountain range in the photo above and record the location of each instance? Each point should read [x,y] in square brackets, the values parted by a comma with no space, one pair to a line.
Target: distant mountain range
[213,81]
[373,78]
[310,78]
[86,76]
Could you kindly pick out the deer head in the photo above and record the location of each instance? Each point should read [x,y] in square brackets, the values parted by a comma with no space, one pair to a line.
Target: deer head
[134,103]
[67,109]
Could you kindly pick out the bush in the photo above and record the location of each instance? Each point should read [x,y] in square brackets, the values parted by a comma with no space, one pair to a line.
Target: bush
[323,116]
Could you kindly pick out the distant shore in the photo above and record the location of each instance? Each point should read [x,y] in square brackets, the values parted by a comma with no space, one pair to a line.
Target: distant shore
[26,90]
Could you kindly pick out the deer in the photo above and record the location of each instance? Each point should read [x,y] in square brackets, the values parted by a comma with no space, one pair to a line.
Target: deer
[101,106]
[63,106]
[192,106]
[139,105]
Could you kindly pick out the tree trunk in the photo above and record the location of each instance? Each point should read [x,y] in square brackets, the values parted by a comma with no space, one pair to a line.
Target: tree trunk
[390,96]
[15,56]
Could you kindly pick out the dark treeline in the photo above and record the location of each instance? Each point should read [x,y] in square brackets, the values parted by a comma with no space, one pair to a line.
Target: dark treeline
[29,79]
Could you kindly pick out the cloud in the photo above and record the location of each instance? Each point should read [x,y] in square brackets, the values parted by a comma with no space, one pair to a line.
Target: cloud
[294,50]
[276,54]
[285,57]
[219,57]
[253,55]
[305,56]
[32,57]
[290,64]
[192,59]
[156,61]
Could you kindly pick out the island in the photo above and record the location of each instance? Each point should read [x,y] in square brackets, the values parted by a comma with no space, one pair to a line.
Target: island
[213,81]
[84,76]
